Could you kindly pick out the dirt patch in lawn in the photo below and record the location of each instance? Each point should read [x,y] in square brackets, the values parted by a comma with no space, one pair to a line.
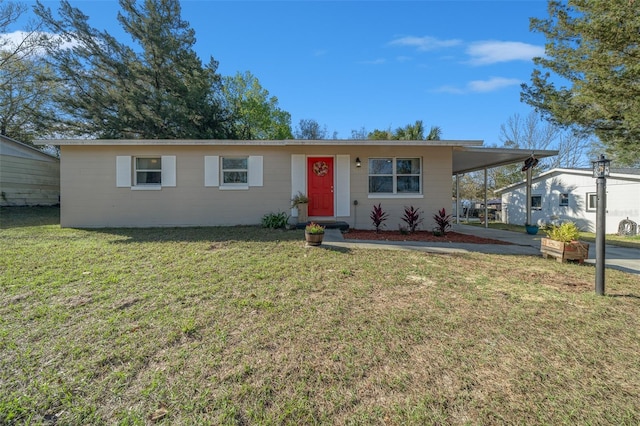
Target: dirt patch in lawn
[427,236]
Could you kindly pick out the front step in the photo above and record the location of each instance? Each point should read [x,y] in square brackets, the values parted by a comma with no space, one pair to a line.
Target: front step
[341,225]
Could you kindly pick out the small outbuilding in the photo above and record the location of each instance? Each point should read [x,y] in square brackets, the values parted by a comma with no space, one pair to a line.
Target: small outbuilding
[28,176]
[570,195]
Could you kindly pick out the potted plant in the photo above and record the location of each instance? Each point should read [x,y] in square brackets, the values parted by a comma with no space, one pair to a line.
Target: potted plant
[532,229]
[301,202]
[314,234]
[562,243]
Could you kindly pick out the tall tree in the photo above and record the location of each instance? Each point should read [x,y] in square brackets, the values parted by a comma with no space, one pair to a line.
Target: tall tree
[310,129]
[159,90]
[533,133]
[26,87]
[593,47]
[413,132]
[255,115]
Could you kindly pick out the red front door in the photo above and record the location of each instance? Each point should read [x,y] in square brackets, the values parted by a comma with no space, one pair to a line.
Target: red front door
[320,185]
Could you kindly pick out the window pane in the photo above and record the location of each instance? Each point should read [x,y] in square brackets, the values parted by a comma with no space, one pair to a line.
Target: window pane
[234,177]
[536,202]
[148,164]
[592,201]
[380,184]
[564,199]
[148,178]
[408,184]
[380,166]
[408,166]
[234,163]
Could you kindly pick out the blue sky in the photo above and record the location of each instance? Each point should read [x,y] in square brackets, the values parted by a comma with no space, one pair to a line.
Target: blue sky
[379,64]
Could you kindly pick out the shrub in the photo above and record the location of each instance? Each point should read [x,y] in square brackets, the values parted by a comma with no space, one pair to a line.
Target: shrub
[412,218]
[378,216]
[443,220]
[566,232]
[275,220]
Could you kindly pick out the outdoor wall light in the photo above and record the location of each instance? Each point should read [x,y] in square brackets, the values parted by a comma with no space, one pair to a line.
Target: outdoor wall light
[358,162]
[601,167]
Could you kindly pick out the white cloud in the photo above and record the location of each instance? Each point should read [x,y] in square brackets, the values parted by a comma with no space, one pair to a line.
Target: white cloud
[491,52]
[491,85]
[425,43]
[481,86]
[14,39]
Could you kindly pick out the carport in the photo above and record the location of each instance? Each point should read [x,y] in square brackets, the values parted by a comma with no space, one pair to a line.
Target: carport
[472,159]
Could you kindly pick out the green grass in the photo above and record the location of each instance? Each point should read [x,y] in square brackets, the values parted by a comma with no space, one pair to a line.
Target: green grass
[245,325]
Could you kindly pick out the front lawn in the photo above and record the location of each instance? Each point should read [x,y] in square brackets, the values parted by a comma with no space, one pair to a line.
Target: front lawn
[243,325]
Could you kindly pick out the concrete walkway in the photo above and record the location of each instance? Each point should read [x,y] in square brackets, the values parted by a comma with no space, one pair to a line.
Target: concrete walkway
[522,244]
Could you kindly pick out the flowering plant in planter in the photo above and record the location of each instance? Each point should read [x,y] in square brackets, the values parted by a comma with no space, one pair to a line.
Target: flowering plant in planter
[314,228]
[300,198]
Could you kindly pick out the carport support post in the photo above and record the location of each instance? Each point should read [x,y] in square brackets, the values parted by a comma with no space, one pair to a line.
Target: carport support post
[457,199]
[486,208]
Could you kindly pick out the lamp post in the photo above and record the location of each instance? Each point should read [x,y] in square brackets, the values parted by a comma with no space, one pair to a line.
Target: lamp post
[600,173]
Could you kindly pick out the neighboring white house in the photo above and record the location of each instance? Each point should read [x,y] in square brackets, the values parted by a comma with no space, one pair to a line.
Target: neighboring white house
[570,194]
[28,176]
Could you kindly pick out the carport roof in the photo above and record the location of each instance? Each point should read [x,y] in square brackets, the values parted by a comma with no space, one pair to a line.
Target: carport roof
[471,159]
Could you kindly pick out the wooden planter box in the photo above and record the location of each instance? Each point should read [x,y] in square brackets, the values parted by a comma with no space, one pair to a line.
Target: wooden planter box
[574,250]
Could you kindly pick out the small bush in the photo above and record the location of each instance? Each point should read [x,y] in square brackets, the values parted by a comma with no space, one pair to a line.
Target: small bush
[378,216]
[443,220]
[275,220]
[412,218]
[566,232]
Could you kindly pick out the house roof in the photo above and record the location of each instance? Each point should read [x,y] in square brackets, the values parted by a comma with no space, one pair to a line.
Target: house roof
[255,142]
[468,155]
[13,147]
[629,174]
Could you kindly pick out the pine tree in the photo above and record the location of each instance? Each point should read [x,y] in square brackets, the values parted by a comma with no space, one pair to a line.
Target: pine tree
[160,90]
[593,47]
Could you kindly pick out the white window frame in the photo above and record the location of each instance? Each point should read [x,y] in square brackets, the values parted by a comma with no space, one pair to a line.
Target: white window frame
[394,175]
[136,170]
[591,207]
[564,199]
[243,170]
[126,172]
[535,207]
[214,173]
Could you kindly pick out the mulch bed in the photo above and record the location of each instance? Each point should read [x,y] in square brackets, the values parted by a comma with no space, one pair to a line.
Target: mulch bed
[427,236]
